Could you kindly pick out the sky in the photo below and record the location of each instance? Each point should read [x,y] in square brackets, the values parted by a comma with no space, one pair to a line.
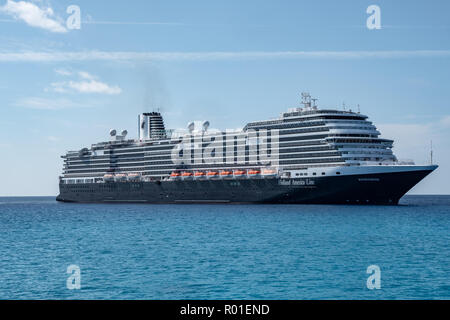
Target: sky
[64,85]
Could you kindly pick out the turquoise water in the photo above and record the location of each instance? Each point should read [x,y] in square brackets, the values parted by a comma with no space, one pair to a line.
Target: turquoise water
[128,251]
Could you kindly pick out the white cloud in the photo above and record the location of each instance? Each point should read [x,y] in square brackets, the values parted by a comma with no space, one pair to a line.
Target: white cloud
[33,56]
[33,15]
[59,87]
[63,72]
[85,75]
[48,104]
[87,83]
[94,86]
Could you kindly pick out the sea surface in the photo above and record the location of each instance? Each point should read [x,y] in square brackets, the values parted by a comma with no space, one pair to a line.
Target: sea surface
[141,251]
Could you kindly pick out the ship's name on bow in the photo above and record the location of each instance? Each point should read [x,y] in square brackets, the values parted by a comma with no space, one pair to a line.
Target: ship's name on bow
[296,182]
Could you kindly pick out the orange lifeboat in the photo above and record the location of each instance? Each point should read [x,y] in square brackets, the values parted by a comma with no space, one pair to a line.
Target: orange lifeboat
[226,173]
[186,175]
[212,174]
[239,173]
[269,172]
[199,175]
[175,175]
[253,173]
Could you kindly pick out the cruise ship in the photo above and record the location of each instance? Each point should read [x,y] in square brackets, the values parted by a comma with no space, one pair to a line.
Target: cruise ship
[307,155]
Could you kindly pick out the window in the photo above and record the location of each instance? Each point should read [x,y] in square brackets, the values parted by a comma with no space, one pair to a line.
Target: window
[338,172]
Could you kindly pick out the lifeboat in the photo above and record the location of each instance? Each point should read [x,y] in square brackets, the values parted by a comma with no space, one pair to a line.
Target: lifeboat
[134,176]
[186,175]
[199,175]
[226,174]
[175,175]
[108,177]
[212,174]
[120,177]
[239,173]
[269,173]
[253,173]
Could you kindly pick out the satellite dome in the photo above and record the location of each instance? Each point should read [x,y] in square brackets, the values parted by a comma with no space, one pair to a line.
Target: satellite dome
[191,126]
[205,126]
[124,132]
[112,132]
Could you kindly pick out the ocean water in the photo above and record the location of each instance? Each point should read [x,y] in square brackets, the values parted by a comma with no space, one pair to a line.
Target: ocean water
[140,251]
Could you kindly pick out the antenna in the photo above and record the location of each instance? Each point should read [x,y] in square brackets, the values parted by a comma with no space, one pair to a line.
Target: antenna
[431,152]
[343,106]
[359,111]
[306,99]
[314,104]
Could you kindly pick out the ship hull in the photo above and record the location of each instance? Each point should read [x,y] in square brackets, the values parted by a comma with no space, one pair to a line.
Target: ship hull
[385,188]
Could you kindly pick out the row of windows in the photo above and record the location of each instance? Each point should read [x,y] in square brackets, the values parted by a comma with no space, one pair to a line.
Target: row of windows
[375,141]
[310,155]
[328,124]
[381,152]
[283,148]
[284,125]
[245,159]
[311,161]
[206,166]
[353,128]
[154,160]
[319,117]
[314,173]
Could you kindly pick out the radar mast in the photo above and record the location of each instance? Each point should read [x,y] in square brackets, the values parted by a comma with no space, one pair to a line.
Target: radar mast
[306,100]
